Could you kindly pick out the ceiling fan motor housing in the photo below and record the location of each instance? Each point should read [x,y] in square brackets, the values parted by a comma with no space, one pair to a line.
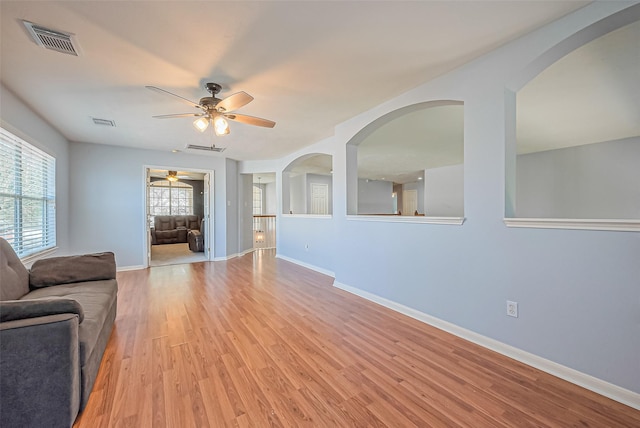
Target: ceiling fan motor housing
[209,103]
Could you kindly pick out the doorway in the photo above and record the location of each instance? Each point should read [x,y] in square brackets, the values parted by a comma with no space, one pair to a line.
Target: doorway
[409,202]
[177,216]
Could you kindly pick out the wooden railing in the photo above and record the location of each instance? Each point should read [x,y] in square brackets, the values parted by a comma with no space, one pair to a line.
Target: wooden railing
[264,231]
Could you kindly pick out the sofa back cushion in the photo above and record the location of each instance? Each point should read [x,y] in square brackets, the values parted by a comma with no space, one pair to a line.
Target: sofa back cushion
[193,222]
[14,277]
[164,222]
[70,269]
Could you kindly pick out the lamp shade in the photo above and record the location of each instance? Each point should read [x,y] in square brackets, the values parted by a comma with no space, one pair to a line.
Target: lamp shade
[220,125]
[201,124]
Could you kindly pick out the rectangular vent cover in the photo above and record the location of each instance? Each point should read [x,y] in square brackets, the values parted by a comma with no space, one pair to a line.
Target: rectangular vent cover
[104,122]
[206,148]
[51,39]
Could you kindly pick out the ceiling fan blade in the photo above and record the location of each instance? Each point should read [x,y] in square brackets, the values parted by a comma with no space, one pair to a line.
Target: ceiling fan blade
[170,116]
[162,91]
[234,102]
[250,120]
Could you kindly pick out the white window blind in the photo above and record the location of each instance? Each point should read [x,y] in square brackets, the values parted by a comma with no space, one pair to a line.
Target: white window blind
[27,196]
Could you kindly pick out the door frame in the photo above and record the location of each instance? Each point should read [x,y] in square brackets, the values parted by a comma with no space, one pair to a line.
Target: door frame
[209,209]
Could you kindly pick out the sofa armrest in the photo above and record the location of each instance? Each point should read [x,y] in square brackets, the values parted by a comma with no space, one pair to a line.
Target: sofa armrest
[40,382]
[11,310]
[65,270]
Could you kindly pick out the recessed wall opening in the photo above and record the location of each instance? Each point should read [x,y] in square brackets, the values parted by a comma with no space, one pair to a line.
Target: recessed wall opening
[307,185]
[578,135]
[409,163]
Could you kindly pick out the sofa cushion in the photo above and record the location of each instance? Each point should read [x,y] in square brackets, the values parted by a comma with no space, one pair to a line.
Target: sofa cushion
[15,277]
[96,299]
[164,222]
[65,270]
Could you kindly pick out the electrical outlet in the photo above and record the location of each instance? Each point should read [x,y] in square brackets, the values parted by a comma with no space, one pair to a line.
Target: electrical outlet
[512,309]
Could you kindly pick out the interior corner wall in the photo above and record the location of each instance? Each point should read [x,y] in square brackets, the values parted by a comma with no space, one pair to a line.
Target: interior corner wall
[270,199]
[594,181]
[232,209]
[374,197]
[245,212]
[297,195]
[18,118]
[444,191]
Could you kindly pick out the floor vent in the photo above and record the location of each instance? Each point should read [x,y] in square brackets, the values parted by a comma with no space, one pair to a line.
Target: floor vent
[51,39]
[206,148]
[103,122]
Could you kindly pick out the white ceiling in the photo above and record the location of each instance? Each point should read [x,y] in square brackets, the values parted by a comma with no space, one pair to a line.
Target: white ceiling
[309,64]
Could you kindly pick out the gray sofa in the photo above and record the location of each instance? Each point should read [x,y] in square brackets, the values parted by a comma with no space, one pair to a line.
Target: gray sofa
[55,321]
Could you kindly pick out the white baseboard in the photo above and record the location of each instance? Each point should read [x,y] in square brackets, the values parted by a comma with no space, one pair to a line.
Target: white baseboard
[307,265]
[232,256]
[126,268]
[599,386]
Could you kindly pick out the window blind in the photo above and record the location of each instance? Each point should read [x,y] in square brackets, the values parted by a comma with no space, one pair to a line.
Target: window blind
[27,196]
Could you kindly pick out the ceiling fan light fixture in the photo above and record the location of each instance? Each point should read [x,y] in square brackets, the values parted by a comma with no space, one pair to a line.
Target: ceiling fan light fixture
[220,125]
[172,176]
[201,123]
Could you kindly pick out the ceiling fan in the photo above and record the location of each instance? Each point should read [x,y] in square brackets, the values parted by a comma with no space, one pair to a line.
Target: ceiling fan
[215,111]
[173,176]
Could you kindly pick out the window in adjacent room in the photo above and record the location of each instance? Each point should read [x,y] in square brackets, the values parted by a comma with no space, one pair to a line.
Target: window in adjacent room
[170,198]
[27,196]
[257,200]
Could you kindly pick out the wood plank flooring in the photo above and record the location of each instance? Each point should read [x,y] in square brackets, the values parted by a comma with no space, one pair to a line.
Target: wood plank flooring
[257,341]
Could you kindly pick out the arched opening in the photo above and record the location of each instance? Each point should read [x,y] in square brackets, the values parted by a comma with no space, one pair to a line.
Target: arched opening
[574,150]
[409,163]
[307,185]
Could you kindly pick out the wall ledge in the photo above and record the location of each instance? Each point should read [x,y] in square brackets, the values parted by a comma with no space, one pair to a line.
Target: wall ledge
[622,225]
[455,221]
[323,216]
[599,386]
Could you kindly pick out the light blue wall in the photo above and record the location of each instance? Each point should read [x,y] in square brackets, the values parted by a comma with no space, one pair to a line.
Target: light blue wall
[374,197]
[577,290]
[108,198]
[592,181]
[298,196]
[444,193]
[17,118]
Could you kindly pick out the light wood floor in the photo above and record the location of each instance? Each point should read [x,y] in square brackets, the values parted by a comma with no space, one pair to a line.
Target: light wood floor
[258,341]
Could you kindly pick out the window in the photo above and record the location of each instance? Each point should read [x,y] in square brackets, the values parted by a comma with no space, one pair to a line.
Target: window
[257,200]
[27,196]
[169,198]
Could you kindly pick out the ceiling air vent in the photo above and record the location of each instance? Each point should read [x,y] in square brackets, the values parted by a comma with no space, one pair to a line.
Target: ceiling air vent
[51,39]
[206,148]
[103,122]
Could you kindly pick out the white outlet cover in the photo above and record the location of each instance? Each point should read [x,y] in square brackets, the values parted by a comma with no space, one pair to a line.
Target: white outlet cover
[512,309]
